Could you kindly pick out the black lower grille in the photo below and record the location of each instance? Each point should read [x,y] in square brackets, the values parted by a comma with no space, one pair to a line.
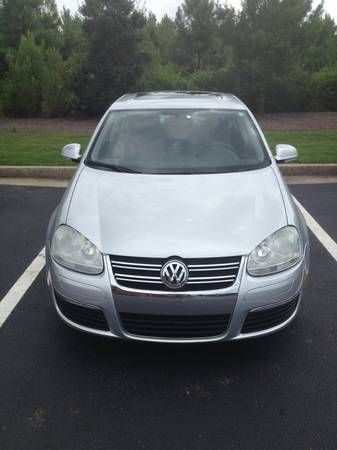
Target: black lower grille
[82,315]
[172,327]
[270,317]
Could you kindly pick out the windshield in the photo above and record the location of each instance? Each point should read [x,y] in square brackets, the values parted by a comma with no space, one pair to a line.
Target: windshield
[178,142]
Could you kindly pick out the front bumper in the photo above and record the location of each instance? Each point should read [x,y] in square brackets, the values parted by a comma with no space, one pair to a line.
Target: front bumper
[248,295]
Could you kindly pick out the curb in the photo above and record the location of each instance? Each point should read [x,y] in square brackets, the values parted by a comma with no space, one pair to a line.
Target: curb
[65,173]
[318,170]
[55,173]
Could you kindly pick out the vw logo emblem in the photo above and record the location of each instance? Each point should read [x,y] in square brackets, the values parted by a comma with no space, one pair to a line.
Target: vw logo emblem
[174,274]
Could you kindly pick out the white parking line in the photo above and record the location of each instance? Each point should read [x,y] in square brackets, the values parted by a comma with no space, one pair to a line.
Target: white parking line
[18,290]
[328,243]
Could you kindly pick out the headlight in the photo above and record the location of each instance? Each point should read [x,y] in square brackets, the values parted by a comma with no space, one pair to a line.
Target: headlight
[74,251]
[278,252]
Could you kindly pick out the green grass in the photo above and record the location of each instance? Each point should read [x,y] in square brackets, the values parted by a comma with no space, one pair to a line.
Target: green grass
[313,146]
[39,149]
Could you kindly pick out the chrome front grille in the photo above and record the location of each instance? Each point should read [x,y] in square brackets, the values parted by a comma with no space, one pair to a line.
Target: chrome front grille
[204,273]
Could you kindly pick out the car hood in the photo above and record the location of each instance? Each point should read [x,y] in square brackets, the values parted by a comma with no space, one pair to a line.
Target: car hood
[176,215]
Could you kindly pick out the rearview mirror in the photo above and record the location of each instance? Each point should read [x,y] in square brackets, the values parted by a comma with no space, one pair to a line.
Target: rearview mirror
[285,153]
[72,152]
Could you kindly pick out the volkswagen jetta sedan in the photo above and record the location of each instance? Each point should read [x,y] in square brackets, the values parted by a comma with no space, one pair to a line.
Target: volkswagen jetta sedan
[177,226]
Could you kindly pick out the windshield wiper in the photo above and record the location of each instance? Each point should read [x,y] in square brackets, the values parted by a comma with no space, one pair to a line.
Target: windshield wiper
[117,168]
[112,167]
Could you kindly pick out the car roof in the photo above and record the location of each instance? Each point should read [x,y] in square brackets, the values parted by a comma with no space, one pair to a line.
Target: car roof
[178,100]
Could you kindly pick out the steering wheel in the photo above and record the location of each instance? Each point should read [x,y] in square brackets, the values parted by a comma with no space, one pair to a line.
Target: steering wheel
[222,146]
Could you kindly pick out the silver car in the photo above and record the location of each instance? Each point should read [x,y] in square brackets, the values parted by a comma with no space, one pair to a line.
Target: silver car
[178,225]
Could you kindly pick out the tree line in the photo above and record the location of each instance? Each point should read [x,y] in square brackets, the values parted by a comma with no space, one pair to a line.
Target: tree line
[277,55]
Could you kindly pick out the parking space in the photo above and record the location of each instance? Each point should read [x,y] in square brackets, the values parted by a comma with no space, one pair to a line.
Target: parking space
[61,389]
[321,202]
[24,218]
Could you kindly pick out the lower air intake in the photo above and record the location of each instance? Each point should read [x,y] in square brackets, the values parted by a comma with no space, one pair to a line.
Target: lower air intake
[82,315]
[175,327]
[269,317]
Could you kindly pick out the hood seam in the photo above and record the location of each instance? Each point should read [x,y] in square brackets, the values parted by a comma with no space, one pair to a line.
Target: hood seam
[281,193]
[73,192]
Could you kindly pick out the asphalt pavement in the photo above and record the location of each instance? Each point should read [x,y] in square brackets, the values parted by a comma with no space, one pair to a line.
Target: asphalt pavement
[61,389]
[24,214]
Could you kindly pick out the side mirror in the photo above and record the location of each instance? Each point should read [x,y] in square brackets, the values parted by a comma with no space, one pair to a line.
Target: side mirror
[285,153]
[72,152]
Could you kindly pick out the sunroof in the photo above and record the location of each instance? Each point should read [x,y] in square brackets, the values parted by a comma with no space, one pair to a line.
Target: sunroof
[177,94]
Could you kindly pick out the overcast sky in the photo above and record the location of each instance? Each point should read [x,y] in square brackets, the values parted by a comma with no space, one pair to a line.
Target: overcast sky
[160,7]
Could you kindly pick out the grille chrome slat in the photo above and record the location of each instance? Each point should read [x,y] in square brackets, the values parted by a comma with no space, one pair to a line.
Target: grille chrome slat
[206,268]
[140,277]
[210,281]
[212,278]
[213,265]
[204,273]
[139,281]
[135,264]
[136,268]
